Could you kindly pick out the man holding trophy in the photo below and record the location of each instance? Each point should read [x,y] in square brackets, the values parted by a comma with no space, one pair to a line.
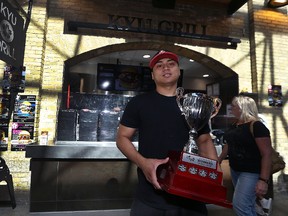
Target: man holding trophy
[161,121]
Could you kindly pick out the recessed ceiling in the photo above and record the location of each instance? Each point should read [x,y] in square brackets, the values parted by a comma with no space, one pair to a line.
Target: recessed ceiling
[135,57]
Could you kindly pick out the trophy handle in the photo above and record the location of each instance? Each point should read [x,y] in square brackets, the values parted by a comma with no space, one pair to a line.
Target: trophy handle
[179,95]
[217,105]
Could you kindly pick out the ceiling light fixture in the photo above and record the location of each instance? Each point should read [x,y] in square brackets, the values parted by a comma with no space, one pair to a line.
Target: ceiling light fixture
[277,3]
[206,75]
[146,56]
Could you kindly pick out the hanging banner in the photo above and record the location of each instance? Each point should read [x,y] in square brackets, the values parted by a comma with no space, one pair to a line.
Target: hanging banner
[12,35]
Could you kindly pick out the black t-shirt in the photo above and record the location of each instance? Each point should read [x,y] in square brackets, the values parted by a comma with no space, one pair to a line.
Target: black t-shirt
[243,153]
[161,128]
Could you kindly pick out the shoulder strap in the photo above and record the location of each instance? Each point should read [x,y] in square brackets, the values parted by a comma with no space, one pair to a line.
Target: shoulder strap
[251,128]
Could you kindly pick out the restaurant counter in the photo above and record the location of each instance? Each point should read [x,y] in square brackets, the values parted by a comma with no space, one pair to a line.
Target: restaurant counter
[77,176]
[75,150]
[80,176]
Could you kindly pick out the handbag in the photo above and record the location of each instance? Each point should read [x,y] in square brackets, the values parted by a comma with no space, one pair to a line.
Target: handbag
[277,160]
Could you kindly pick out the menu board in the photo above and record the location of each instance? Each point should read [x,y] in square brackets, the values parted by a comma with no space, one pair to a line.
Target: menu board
[4,121]
[22,134]
[24,110]
[128,78]
[275,95]
[3,136]
[23,122]
[112,77]
[13,79]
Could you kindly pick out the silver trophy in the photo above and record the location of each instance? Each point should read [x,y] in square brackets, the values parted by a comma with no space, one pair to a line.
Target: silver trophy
[198,109]
[187,174]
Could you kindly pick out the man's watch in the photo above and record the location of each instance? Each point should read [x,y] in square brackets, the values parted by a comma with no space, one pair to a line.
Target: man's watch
[265,180]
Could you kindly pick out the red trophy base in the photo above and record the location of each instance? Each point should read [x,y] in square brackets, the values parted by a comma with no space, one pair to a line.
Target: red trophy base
[194,177]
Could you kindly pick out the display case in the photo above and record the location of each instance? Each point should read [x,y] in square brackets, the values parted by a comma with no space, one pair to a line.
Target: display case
[91,117]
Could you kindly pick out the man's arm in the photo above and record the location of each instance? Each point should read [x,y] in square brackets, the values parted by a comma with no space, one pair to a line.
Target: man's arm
[124,144]
[147,165]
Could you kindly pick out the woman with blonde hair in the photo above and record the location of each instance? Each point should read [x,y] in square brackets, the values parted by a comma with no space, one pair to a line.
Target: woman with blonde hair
[249,155]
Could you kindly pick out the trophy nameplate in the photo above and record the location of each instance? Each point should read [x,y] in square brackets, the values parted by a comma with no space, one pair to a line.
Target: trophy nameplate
[187,174]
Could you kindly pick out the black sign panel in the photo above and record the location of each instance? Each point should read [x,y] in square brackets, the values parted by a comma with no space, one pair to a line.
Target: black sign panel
[12,35]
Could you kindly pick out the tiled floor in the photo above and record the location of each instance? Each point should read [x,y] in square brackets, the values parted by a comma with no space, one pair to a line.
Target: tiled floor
[280,208]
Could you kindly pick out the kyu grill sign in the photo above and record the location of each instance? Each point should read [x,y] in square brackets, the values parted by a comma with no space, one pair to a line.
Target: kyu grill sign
[12,35]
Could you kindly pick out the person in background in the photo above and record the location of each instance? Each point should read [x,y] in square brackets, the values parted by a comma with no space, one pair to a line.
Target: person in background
[161,128]
[249,156]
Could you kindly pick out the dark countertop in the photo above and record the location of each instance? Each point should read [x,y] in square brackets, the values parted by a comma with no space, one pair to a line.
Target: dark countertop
[75,150]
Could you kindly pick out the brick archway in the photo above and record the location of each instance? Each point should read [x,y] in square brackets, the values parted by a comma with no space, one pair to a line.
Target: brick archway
[205,60]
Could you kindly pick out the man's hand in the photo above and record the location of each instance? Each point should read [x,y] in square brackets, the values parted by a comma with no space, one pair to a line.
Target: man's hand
[149,167]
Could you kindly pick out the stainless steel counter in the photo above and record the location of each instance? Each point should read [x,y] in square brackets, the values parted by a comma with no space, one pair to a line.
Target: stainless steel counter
[76,150]
[80,176]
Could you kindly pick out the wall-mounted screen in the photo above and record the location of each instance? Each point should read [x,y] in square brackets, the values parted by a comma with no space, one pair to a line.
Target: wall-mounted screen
[113,77]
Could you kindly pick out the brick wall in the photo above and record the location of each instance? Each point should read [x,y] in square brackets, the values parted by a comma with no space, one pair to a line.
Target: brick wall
[259,59]
[269,66]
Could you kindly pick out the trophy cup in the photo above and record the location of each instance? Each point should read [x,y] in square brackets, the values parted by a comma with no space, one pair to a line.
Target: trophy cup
[187,174]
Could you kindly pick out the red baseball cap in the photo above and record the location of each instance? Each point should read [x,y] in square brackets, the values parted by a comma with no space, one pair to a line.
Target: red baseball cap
[160,55]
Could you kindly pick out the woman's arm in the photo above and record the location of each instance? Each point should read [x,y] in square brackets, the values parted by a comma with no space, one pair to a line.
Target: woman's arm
[265,148]
[206,147]
[223,154]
